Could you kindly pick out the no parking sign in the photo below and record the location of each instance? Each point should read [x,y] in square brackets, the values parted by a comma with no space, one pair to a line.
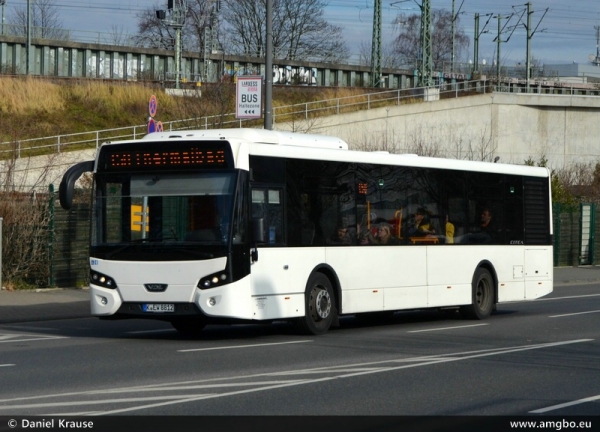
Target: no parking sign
[151,125]
[152,107]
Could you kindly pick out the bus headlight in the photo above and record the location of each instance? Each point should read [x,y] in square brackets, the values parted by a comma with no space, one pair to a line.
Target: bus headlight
[102,280]
[213,280]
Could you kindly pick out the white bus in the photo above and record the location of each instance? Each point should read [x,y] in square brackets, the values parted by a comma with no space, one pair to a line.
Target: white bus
[239,225]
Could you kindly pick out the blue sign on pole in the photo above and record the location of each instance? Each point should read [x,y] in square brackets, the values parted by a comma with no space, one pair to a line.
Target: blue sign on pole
[152,106]
[151,126]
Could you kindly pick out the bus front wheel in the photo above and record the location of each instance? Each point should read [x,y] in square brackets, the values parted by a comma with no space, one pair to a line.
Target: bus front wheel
[483,296]
[319,305]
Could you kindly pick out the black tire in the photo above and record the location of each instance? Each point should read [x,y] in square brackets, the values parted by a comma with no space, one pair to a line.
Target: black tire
[319,305]
[483,296]
[190,327]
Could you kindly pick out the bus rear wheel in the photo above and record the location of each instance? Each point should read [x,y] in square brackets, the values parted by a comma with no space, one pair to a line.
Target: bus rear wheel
[190,327]
[483,296]
[319,305]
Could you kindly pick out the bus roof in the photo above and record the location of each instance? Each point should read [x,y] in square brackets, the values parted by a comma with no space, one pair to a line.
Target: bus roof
[262,136]
[322,147]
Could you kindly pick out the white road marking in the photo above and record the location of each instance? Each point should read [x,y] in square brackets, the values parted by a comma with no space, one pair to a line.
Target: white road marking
[566,404]
[73,414]
[551,298]
[29,328]
[4,365]
[195,387]
[243,346]
[446,328]
[313,381]
[15,338]
[573,314]
[152,331]
[99,401]
[355,370]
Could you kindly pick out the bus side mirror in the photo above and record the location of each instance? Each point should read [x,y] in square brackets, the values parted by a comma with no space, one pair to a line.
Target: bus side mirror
[258,230]
[67,185]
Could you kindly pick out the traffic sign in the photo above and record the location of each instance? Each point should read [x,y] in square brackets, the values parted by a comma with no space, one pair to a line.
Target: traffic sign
[152,106]
[248,97]
[151,126]
[159,126]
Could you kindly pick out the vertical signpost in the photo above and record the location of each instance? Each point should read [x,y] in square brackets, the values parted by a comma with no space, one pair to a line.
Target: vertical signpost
[248,97]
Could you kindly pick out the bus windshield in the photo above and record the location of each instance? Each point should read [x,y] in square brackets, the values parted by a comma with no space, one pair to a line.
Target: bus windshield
[163,216]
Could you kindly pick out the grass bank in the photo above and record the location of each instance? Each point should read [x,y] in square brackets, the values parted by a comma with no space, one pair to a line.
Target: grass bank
[36,107]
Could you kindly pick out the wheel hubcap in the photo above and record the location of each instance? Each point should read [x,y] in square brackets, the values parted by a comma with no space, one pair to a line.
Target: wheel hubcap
[323,304]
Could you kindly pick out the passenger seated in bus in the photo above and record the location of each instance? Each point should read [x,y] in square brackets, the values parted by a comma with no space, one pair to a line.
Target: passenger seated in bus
[488,230]
[421,226]
[383,236]
[340,237]
[449,239]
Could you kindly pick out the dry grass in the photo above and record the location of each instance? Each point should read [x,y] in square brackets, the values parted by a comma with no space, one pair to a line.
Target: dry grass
[19,96]
[36,107]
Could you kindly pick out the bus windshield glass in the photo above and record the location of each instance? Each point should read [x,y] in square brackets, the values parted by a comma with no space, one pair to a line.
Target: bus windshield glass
[163,216]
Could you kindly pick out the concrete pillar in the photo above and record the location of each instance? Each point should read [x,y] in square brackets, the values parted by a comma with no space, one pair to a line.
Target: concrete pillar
[3,50]
[44,63]
[61,71]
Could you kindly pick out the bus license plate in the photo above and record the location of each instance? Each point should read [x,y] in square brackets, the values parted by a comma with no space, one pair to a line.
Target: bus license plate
[158,307]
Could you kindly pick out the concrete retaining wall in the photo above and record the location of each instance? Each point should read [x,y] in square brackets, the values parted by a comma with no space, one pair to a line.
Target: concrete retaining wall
[564,129]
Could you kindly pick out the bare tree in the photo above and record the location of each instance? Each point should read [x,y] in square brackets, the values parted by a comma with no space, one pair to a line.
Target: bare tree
[299,30]
[117,36]
[45,21]
[408,42]
[390,58]
[25,239]
[154,32]
[25,212]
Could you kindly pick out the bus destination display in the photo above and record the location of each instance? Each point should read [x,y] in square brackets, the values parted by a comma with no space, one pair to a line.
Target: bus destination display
[173,158]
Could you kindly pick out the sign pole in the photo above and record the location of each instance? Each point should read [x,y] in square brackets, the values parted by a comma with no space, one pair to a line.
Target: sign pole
[1,219]
[269,69]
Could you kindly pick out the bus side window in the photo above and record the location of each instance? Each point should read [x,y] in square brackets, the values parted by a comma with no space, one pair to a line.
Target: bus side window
[267,203]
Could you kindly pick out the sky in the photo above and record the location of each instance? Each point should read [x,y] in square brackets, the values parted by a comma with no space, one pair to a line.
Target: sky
[563,31]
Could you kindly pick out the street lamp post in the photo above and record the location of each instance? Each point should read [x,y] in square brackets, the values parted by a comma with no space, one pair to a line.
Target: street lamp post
[2,2]
[177,20]
[28,54]
[268,122]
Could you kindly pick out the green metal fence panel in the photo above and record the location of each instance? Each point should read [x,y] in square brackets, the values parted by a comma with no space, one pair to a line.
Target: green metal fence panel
[566,236]
[586,234]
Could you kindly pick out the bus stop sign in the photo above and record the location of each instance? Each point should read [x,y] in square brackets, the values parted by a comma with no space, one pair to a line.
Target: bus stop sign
[248,97]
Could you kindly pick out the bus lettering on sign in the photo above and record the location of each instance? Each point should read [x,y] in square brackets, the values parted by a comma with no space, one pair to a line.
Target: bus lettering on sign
[248,97]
